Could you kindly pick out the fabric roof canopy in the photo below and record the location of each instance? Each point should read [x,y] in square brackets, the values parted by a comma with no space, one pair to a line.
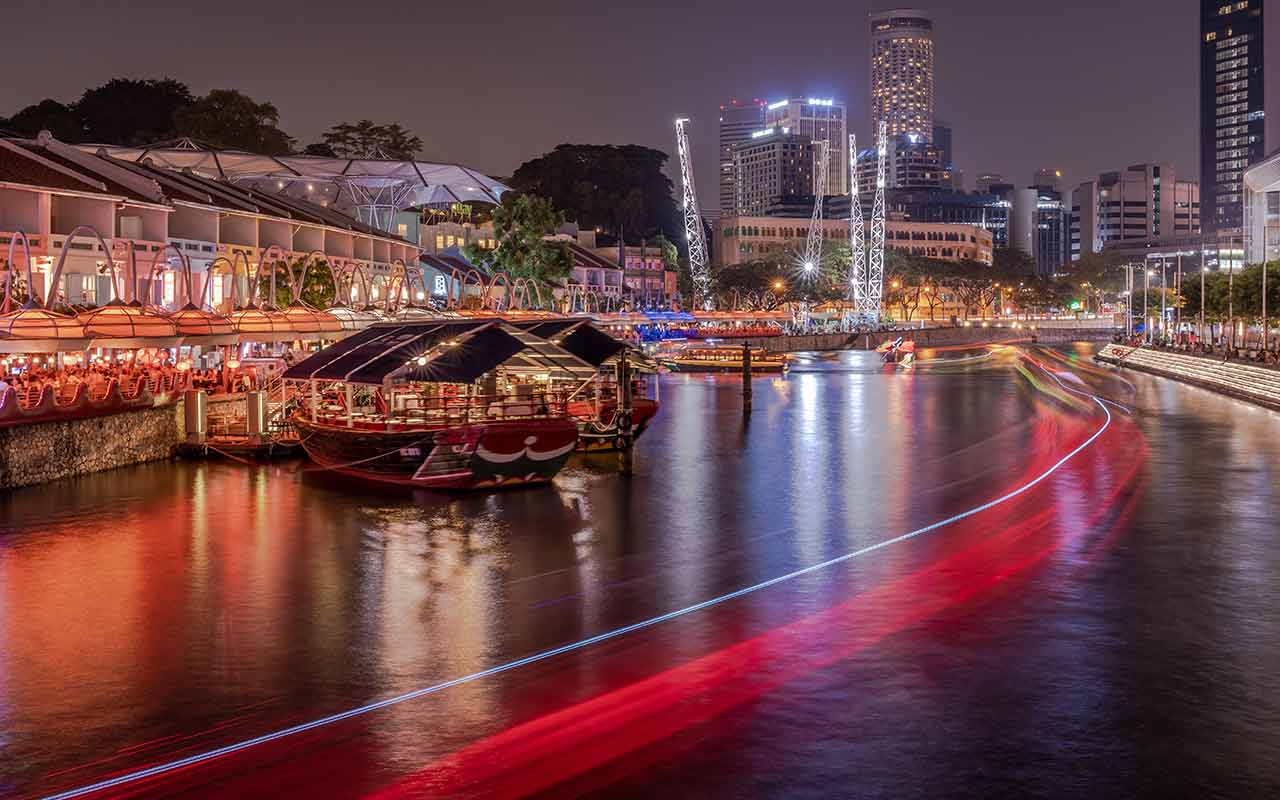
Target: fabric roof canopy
[407,183]
[439,351]
[584,341]
[340,361]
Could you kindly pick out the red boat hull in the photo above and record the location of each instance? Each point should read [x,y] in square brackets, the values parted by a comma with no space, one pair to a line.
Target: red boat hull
[485,455]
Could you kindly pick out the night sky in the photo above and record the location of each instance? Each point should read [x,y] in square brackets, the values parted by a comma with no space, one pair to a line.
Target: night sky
[1082,86]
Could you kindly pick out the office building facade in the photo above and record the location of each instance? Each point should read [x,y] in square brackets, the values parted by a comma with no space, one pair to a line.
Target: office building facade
[817,119]
[750,238]
[738,120]
[911,163]
[1238,87]
[902,54]
[1145,202]
[1262,211]
[774,164]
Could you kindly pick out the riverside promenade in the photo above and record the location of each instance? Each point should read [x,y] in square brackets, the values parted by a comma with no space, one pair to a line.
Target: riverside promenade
[1052,331]
[1256,384]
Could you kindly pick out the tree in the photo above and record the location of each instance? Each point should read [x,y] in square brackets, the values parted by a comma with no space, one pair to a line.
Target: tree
[364,139]
[622,190]
[319,149]
[47,115]
[318,289]
[229,119]
[132,112]
[520,227]
[1010,262]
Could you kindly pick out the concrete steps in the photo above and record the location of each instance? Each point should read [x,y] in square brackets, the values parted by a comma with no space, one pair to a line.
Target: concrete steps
[1259,385]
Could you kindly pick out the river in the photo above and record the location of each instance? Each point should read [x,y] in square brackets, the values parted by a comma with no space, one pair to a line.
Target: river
[1095,615]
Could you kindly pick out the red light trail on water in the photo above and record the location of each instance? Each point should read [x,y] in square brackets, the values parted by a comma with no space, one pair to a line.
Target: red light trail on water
[1016,531]
[600,734]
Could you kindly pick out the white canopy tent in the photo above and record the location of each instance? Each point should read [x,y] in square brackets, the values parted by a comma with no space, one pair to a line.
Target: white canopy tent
[371,189]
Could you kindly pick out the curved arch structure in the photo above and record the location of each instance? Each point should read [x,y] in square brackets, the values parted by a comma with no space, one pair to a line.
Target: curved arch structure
[56,275]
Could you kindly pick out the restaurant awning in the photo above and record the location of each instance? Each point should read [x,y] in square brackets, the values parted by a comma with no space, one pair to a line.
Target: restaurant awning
[199,327]
[38,330]
[128,325]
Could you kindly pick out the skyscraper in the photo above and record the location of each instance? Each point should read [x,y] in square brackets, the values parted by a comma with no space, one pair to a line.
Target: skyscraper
[773,165]
[1236,82]
[738,120]
[902,72]
[911,163]
[817,118]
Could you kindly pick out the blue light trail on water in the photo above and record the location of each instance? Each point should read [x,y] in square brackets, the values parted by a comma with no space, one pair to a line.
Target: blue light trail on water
[161,769]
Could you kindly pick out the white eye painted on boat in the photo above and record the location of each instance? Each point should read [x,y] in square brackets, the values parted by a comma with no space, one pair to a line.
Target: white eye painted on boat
[530,440]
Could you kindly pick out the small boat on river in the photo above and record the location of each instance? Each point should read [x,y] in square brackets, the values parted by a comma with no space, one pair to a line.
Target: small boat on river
[448,404]
[724,358]
[898,351]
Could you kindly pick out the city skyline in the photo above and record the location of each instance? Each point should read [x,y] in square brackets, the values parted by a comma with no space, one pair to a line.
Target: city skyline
[1082,116]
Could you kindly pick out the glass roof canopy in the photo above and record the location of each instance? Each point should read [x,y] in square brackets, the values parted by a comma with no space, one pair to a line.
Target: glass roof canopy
[372,189]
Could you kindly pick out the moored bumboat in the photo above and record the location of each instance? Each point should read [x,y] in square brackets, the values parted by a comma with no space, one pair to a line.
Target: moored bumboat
[453,404]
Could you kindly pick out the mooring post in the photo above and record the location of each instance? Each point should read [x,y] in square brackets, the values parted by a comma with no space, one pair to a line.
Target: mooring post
[746,376]
[624,414]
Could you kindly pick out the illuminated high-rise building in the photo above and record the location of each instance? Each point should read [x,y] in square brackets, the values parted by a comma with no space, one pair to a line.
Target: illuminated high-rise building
[818,119]
[738,120]
[902,72]
[1239,103]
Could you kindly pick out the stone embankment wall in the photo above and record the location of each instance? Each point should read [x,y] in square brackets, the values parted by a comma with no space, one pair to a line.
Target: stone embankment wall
[931,337]
[46,451]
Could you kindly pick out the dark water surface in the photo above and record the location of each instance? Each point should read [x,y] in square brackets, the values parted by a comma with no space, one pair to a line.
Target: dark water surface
[1111,631]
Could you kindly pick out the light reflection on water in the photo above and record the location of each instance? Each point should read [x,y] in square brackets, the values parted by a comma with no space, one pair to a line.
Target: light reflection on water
[171,598]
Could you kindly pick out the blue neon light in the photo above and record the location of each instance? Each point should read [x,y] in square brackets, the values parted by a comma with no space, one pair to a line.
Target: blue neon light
[161,769]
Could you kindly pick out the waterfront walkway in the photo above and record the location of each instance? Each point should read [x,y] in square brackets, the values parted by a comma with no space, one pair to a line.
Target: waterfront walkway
[1254,383]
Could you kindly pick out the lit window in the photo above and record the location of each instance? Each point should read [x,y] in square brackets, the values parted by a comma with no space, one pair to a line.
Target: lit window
[170,287]
[439,241]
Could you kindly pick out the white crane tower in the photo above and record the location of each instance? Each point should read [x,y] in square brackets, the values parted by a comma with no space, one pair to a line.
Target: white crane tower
[693,233]
[857,234]
[867,277]
[813,244]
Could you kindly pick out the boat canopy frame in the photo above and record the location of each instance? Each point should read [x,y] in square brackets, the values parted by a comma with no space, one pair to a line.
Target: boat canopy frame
[438,351]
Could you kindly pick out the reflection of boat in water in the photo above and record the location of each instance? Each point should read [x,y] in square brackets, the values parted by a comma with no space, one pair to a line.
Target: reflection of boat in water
[446,404]
[726,358]
[898,351]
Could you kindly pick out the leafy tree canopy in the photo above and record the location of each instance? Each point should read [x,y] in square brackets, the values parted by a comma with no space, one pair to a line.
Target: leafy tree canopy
[227,118]
[365,139]
[47,115]
[318,290]
[622,190]
[520,227]
[132,112]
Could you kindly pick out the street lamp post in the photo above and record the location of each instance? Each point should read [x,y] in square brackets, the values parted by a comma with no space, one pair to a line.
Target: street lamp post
[1177,309]
[1146,316]
[1203,270]
[1129,297]
[1164,296]
[1231,295]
